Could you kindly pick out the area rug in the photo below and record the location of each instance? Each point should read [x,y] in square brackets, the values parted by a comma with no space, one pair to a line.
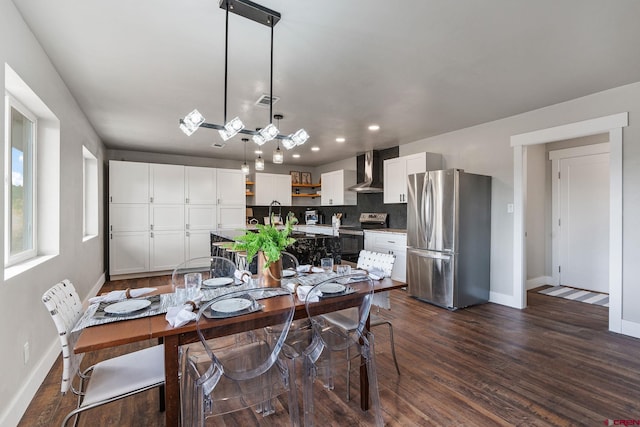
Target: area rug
[577,295]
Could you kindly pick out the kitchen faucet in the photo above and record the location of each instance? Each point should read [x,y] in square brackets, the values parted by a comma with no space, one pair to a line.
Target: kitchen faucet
[275,203]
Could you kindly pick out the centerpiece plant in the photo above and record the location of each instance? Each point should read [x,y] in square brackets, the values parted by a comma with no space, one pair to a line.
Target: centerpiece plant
[268,242]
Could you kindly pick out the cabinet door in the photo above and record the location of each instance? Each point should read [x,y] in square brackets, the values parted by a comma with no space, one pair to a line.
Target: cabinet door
[128,182]
[166,249]
[231,216]
[330,182]
[283,186]
[166,217]
[200,217]
[230,187]
[197,244]
[128,217]
[128,252]
[200,185]
[415,163]
[389,243]
[167,184]
[395,176]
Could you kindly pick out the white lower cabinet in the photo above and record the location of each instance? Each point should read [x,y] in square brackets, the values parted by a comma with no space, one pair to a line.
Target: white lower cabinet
[390,243]
[166,249]
[197,244]
[128,252]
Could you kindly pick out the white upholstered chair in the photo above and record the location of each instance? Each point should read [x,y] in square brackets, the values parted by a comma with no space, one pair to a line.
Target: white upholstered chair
[106,381]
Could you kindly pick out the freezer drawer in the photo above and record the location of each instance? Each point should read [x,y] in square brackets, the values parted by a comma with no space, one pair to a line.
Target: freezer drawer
[430,276]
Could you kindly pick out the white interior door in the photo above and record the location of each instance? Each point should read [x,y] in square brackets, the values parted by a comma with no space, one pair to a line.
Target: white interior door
[583,223]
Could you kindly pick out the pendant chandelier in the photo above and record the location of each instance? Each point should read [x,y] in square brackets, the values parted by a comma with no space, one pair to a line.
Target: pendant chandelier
[195,120]
[245,167]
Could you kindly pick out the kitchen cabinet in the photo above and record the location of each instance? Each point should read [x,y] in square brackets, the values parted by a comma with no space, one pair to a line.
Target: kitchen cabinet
[270,187]
[335,188]
[200,186]
[391,243]
[397,170]
[160,215]
[230,187]
[128,182]
[166,184]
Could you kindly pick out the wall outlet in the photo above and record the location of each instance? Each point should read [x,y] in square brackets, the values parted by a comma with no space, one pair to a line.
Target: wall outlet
[509,207]
[25,352]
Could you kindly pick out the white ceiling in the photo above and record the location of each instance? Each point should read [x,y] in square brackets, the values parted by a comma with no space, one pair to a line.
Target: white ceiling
[417,68]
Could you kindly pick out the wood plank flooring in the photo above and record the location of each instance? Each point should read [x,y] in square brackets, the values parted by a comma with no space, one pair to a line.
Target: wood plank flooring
[552,364]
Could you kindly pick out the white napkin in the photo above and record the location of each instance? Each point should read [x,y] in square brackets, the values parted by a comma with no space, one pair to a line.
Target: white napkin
[303,268]
[180,316]
[120,295]
[302,291]
[317,270]
[376,274]
[243,275]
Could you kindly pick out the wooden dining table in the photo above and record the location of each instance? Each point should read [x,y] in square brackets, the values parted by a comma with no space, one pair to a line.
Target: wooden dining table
[156,327]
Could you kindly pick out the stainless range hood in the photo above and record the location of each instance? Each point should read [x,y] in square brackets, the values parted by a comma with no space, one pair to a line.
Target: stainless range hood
[372,175]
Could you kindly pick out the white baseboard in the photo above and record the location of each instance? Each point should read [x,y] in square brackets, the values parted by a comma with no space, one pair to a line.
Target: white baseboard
[503,299]
[630,328]
[17,407]
[539,281]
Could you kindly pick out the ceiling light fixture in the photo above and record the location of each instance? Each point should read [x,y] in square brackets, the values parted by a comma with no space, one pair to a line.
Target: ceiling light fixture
[340,139]
[315,148]
[195,120]
[288,143]
[374,127]
[259,163]
[278,156]
[245,167]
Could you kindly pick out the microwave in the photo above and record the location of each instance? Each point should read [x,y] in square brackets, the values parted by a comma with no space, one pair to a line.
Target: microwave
[312,217]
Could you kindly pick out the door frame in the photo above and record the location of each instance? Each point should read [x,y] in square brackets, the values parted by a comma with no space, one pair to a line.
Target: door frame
[612,124]
[556,156]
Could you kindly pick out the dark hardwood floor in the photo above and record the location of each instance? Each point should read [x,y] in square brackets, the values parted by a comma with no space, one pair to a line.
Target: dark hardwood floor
[552,364]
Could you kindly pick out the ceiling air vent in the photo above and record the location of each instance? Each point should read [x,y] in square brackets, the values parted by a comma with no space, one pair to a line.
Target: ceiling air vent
[264,100]
[218,144]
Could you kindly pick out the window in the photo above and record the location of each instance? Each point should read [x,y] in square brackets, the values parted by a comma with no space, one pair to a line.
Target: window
[90,191]
[20,188]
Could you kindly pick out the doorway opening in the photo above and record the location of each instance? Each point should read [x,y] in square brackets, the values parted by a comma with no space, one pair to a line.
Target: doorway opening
[613,126]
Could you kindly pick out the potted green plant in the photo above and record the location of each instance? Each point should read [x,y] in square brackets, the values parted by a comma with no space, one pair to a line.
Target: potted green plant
[267,242]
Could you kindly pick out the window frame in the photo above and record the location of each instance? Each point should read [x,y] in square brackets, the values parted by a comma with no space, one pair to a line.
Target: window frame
[12,102]
[90,196]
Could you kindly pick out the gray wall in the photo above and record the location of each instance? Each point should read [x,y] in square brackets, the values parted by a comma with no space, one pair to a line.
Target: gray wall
[22,315]
[486,149]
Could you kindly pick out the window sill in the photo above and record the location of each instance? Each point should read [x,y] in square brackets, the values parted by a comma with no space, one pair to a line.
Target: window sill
[89,237]
[20,268]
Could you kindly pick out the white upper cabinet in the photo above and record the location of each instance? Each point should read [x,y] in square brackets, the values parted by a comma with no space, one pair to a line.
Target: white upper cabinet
[335,187]
[231,187]
[167,184]
[397,170]
[200,186]
[270,187]
[128,182]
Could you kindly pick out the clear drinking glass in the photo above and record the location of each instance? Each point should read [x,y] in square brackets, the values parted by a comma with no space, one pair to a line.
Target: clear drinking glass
[326,264]
[343,269]
[192,283]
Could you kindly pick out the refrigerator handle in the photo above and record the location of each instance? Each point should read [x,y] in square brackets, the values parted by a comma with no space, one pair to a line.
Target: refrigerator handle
[428,219]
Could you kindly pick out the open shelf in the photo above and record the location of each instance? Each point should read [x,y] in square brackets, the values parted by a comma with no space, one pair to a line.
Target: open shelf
[306,185]
[314,195]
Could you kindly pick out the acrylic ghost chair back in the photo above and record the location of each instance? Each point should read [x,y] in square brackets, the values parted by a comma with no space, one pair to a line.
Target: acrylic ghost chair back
[226,374]
[351,296]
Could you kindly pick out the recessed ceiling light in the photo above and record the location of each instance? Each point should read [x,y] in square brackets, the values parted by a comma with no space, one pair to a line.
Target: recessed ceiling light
[296,156]
[315,148]
[374,127]
[340,139]
[258,151]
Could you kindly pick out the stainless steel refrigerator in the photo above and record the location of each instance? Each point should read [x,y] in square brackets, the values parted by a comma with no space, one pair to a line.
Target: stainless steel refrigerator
[449,237]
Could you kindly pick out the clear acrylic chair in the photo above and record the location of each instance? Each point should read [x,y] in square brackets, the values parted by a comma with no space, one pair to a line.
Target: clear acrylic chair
[108,380]
[331,338]
[209,266]
[246,369]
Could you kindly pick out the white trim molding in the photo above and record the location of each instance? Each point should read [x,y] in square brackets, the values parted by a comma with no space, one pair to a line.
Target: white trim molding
[612,124]
[539,281]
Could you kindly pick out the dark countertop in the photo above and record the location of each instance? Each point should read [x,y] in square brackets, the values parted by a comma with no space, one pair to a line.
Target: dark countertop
[232,234]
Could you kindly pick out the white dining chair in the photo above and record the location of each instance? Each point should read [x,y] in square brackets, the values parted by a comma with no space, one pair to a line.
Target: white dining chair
[108,380]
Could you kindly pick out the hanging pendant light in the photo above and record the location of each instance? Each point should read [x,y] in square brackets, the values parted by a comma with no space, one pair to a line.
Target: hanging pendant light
[259,163]
[245,167]
[278,156]
[268,133]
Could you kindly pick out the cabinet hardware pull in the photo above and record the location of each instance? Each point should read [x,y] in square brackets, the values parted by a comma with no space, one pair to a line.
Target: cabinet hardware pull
[111,198]
[186,226]
[150,199]
[188,234]
[151,226]
[111,227]
[152,234]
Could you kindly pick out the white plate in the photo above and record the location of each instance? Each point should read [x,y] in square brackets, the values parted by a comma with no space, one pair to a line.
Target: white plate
[217,281]
[127,306]
[332,288]
[288,273]
[231,305]
[358,272]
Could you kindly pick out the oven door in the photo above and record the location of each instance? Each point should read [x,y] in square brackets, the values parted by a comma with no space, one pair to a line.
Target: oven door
[351,244]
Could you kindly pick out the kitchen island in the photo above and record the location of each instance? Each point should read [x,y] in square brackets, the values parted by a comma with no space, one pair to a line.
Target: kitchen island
[308,248]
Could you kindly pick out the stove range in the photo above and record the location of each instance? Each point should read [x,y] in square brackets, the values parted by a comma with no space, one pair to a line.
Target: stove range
[352,237]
